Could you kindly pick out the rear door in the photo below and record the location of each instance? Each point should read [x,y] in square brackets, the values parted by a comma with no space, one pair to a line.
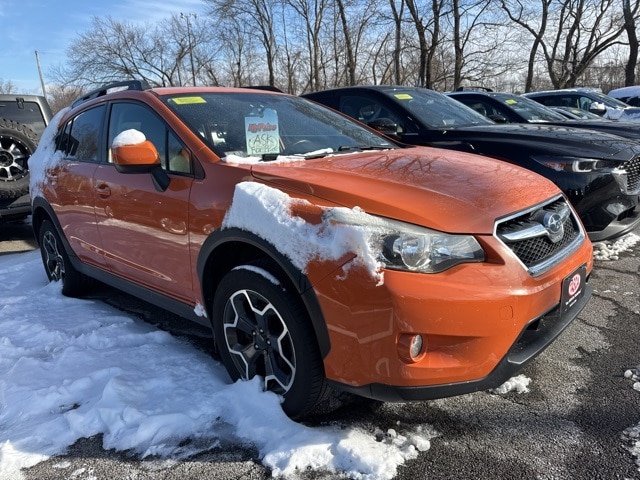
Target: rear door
[70,181]
[144,231]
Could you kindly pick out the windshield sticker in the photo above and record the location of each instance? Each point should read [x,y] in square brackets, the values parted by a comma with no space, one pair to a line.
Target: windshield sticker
[403,96]
[511,101]
[188,100]
[263,134]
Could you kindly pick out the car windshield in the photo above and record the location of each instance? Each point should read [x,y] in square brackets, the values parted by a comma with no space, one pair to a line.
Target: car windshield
[265,125]
[436,110]
[609,101]
[530,110]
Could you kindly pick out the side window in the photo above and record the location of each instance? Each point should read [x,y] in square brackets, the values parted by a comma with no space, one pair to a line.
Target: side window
[81,135]
[366,109]
[585,103]
[125,116]
[480,107]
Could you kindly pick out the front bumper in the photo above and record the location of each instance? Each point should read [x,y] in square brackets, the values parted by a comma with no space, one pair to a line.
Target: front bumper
[480,323]
[532,341]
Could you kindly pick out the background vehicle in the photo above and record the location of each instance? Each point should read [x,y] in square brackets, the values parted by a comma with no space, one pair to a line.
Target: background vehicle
[508,108]
[598,172]
[575,113]
[589,99]
[628,95]
[23,118]
[319,252]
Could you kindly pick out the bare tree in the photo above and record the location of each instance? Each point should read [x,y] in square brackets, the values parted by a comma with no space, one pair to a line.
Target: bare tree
[522,14]
[61,96]
[6,86]
[312,14]
[257,13]
[629,12]
[113,51]
[572,35]
[428,32]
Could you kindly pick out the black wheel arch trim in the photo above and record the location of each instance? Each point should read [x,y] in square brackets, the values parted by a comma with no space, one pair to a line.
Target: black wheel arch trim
[220,253]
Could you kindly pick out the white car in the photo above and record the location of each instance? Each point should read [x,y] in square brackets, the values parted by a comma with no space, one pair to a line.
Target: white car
[628,95]
[589,99]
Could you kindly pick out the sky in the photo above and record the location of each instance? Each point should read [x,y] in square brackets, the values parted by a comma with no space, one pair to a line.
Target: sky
[49,27]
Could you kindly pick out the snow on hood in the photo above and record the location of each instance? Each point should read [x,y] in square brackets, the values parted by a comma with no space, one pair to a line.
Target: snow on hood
[266,212]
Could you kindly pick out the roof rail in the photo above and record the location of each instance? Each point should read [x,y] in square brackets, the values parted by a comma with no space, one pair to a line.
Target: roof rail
[99,92]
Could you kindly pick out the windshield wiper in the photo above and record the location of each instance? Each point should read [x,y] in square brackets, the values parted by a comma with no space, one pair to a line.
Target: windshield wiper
[362,148]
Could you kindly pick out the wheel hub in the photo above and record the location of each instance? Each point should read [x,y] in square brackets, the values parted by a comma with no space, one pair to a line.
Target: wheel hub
[261,340]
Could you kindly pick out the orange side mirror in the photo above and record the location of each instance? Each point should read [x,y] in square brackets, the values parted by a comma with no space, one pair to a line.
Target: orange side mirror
[140,154]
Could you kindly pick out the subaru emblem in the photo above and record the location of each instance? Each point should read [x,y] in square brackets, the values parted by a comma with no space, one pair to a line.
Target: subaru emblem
[552,222]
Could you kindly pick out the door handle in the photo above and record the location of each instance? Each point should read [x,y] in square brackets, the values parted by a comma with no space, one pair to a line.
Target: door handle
[103,190]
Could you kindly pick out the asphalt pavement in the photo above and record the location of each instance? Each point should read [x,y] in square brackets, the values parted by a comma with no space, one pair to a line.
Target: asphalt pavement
[570,425]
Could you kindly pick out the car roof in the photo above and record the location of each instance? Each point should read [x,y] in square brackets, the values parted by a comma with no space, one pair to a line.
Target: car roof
[564,90]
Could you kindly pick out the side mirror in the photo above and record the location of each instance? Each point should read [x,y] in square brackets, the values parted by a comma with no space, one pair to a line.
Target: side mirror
[386,126]
[141,157]
[597,108]
[498,118]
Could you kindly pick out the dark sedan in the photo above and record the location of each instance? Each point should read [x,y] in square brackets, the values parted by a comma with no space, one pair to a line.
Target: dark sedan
[599,172]
[509,108]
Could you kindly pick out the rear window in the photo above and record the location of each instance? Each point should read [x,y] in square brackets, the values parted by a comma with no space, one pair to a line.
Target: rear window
[27,113]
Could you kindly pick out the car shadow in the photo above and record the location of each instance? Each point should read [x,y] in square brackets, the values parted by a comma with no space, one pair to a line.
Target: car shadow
[16,236]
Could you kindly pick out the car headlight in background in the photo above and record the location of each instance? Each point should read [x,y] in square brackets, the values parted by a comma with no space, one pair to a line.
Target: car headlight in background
[579,165]
[404,246]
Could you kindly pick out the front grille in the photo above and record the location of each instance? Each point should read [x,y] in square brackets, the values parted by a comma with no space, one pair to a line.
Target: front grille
[542,236]
[632,167]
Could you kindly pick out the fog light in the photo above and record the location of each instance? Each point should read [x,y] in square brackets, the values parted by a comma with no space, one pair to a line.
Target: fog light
[410,347]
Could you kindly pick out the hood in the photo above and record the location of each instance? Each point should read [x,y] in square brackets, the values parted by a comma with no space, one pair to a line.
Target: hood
[537,139]
[622,129]
[444,190]
[628,114]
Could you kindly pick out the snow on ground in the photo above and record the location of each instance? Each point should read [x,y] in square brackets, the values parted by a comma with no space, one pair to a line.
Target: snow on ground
[606,251]
[73,368]
[631,436]
[611,250]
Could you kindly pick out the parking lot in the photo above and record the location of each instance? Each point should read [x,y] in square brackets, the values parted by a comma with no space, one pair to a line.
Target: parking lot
[576,421]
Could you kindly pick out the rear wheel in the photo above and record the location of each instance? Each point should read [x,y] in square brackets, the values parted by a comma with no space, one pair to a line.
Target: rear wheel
[262,329]
[57,264]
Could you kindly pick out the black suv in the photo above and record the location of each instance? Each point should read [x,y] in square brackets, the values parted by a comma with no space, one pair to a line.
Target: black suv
[23,118]
[599,173]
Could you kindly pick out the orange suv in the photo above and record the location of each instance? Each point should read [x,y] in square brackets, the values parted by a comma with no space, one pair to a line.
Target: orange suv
[320,253]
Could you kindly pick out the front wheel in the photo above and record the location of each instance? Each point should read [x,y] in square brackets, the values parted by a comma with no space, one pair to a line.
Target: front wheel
[262,329]
[57,264]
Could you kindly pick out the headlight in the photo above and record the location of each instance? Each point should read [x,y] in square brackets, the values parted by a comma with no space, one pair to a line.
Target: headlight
[403,246]
[579,165]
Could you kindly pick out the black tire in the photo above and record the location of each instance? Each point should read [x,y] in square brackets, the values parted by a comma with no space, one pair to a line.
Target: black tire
[56,262]
[263,329]
[17,144]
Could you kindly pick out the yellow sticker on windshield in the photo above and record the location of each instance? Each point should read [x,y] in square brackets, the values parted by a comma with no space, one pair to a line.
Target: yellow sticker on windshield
[188,100]
[511,101]
[403,96]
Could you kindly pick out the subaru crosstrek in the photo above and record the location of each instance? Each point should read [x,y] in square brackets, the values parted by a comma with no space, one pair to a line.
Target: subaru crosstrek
[320,253]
